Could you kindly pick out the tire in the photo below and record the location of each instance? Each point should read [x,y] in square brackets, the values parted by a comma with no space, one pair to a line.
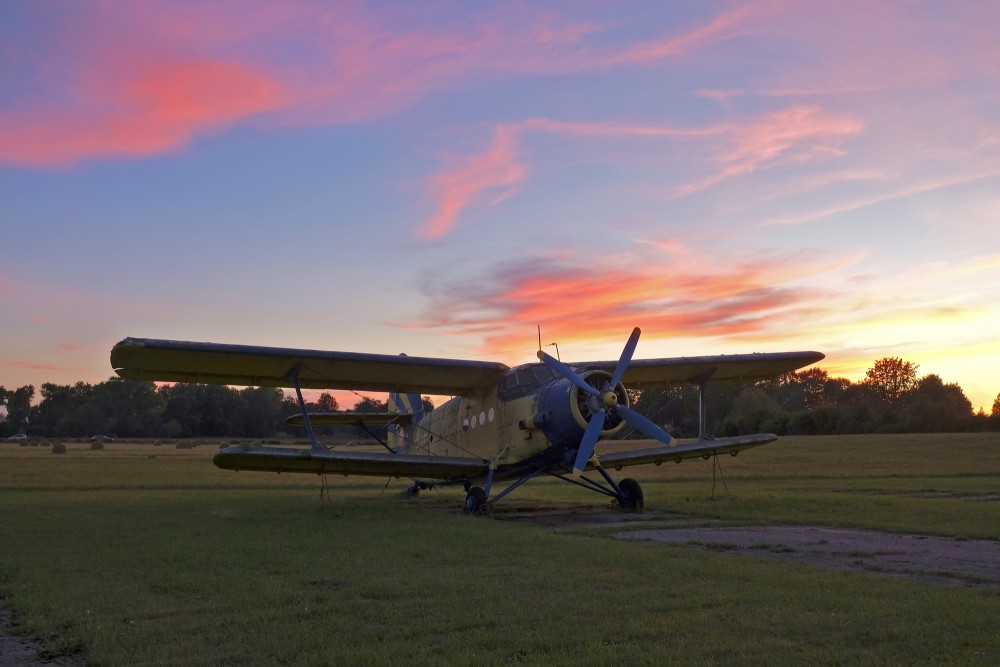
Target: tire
[631,498]
[475,501]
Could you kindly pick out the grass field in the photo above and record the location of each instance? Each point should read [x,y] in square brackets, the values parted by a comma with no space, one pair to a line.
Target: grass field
[143,555]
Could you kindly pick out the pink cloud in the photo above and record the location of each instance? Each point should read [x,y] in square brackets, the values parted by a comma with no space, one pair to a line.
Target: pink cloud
[681,297]
[32,366]
[727,25]
[135,79]
[71,347]
[472,178]
[796,134]
[147,109]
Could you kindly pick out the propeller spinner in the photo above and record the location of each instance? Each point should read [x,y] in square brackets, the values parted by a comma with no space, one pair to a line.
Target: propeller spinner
[607,402]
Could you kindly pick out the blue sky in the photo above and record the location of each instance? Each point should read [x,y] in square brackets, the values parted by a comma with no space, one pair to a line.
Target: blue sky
[440,179]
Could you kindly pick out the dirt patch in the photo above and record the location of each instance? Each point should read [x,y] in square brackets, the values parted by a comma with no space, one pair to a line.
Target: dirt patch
[938,559]
[28,651]
[945,560]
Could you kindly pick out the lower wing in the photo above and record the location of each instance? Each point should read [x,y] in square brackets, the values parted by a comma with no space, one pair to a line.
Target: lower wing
[277,459]
[700,448]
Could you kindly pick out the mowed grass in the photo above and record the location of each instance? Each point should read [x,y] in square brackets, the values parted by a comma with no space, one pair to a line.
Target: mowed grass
[142,555]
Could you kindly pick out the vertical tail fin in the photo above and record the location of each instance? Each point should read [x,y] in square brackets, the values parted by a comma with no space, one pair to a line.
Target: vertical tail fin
[404,404]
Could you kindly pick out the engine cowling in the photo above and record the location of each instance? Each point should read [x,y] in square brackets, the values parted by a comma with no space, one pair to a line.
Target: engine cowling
[565,409]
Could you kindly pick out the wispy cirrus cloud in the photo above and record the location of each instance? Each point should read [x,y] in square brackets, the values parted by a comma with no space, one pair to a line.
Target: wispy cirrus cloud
[154,109]
[148,78]
[795,134]
[468,180]
[32,366]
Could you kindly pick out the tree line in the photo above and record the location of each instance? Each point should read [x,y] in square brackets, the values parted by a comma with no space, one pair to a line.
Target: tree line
[891,399]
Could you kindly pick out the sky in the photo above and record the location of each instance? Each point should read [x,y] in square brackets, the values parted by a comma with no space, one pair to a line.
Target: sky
[442,178]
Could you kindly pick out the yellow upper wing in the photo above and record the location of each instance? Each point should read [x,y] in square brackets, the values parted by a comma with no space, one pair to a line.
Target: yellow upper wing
[245,365]
[719,368]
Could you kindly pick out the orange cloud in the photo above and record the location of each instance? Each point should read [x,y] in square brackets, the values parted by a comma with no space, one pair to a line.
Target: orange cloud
[680,298]
[473,178]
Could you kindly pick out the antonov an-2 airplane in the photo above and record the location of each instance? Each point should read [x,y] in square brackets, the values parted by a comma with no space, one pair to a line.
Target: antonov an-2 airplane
[502,424]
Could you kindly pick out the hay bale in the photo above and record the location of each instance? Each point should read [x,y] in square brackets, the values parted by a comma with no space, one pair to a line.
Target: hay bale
[58,448]
[184,445]
[96,445]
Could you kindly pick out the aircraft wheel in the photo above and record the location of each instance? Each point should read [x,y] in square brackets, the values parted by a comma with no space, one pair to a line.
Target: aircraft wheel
[475,501]
[631,500]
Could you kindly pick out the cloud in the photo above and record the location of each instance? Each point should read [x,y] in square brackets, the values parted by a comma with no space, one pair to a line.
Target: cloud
[795,134]
[682,297]
[32,366]
[469,180]
[157,108]
[124,80]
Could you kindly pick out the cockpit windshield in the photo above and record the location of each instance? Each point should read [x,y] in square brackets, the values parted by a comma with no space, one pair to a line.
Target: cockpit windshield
[524,380]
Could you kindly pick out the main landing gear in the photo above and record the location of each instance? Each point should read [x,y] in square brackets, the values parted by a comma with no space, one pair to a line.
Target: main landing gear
[626,494]
[475,501]
[630,498]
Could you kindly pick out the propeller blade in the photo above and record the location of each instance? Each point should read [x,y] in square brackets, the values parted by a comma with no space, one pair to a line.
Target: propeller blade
[588,443]
[645,425]
[567,372]
[625,359]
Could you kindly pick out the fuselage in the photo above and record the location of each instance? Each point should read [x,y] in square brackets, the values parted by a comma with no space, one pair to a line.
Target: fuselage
[531,418]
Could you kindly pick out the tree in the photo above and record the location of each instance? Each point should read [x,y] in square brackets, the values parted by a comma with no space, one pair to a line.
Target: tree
[59,403]
[367,404]
[936,407]
[19,408]
[327,403]
[995,412]
[132,408]
[891,378]
[262,415]
[754,412]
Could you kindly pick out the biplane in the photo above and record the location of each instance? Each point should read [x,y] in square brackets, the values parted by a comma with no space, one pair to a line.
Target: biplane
[501,427]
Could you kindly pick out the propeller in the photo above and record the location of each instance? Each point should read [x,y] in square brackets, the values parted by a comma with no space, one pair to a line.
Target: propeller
[608,402]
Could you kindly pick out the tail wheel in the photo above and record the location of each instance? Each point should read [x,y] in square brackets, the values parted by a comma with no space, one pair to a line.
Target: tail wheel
[631,498]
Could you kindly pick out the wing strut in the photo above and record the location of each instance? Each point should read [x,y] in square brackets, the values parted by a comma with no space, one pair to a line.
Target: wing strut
[702,381]
[293,376]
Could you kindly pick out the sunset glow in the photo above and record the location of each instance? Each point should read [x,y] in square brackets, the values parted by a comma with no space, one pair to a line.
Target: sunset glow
[442,180]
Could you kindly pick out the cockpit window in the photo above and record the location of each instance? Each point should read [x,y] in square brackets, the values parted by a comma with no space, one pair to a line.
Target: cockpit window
[524,380]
